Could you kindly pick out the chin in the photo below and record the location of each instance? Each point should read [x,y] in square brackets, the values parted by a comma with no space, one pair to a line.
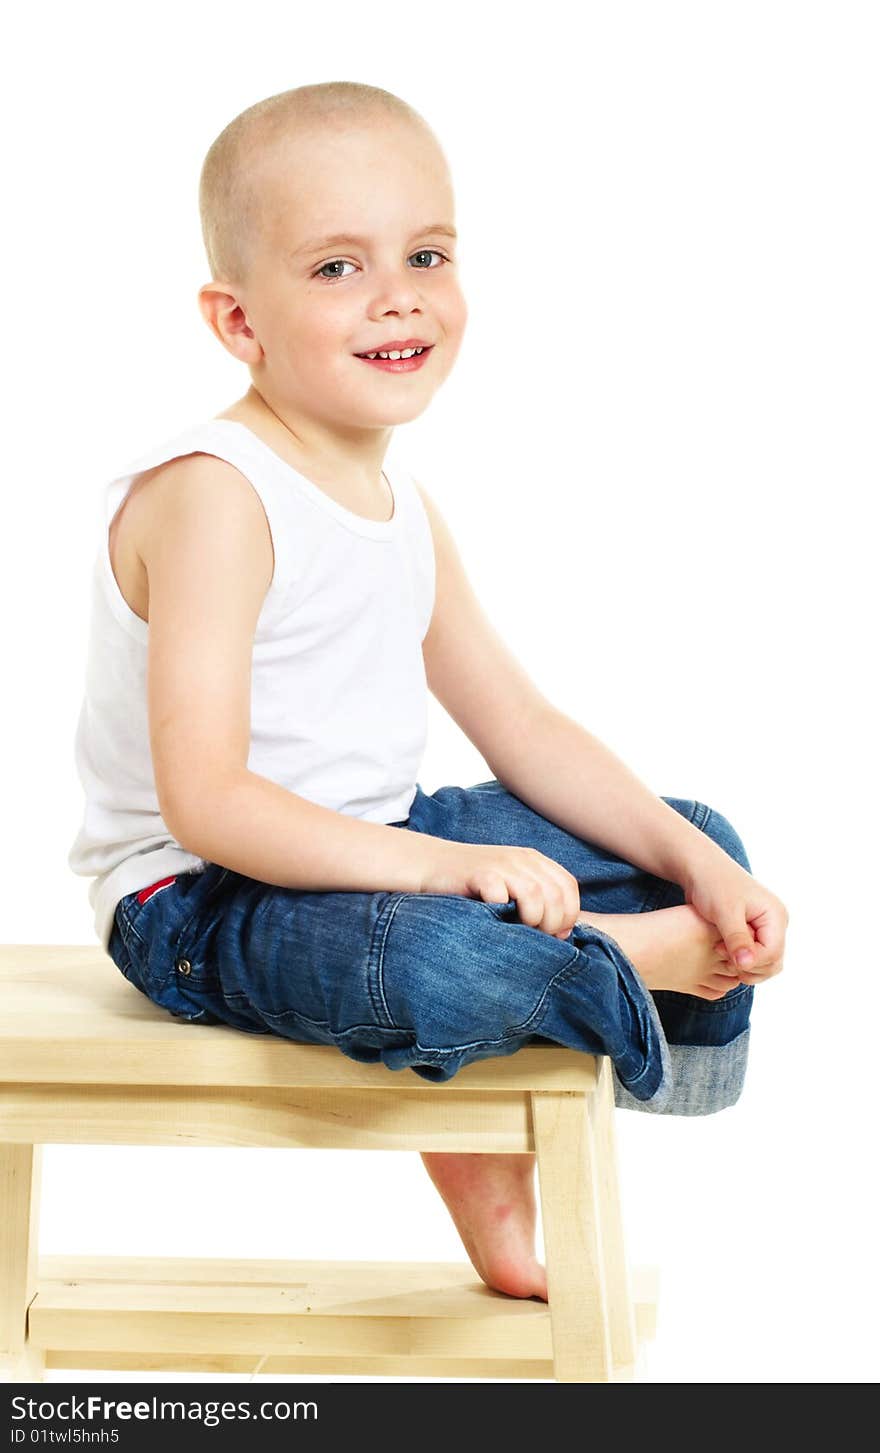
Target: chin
[401,411]
[404,415]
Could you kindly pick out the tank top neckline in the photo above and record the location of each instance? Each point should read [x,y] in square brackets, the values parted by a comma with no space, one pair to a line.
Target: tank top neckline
[372,529]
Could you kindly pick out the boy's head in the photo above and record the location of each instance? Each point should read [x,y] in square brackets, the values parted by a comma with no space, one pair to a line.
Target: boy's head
[312,164]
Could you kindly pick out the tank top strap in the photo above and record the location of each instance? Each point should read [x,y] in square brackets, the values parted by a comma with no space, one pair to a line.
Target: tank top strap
[416,542]
[211,437]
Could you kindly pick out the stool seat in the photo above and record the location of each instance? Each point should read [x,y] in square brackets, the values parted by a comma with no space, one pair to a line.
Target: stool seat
[68,1013]
[85,1058]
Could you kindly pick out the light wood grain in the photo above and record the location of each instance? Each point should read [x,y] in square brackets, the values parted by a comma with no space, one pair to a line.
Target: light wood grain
[20,1179]
[345,1317]
[86,1059]
[69,1016]
[620,1306]
[576,1271]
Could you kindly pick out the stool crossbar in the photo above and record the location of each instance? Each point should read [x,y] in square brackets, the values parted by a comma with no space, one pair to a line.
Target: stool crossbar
[86,1059]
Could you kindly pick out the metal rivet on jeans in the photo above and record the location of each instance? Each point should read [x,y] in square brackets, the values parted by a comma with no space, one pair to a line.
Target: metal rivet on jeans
[184,966]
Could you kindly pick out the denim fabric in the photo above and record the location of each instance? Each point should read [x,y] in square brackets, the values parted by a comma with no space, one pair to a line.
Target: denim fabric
[431,981]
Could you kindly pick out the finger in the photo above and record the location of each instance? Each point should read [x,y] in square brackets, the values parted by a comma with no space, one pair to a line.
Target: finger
[529,901]
[554,920]
[571,895]
[736,932]
[493,889]
[763,967]
[724,982]
[553,887]
[760,958]
[758,976]
[741,948]
[769,927]
[765,963]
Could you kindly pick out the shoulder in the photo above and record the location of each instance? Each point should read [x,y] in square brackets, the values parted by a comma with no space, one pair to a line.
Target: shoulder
[201,486]
[442,536]
[423,495]
[447,564]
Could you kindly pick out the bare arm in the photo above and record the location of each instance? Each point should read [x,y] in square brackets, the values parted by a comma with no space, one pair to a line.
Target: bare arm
[207,552]
[541,755]
[254,826]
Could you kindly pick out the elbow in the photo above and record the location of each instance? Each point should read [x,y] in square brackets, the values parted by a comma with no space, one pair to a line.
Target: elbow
[179,827]
[192,817]
[195,830]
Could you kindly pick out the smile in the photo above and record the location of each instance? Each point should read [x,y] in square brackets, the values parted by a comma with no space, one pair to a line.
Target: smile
[396,365]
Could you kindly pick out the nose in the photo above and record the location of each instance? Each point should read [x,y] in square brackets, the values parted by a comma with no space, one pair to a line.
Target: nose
[396,292]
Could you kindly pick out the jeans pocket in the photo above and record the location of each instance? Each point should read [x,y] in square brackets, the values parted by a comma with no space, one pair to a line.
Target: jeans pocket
[132,957]
[196,947]
[150,930]
[137,912]
[118,950]
[200,894]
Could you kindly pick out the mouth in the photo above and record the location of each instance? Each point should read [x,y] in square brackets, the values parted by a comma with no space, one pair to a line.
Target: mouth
[398,365]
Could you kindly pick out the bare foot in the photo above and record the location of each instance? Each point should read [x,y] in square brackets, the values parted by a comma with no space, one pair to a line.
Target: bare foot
[672,948]
[491,1199]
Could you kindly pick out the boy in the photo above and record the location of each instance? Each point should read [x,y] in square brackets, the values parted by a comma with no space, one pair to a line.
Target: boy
[271,605]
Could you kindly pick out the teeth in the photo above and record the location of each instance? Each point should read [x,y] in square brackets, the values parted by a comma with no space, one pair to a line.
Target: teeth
[395,353]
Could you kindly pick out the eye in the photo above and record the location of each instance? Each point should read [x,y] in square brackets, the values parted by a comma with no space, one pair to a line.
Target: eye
[336,262]
[341,262]
[430,252]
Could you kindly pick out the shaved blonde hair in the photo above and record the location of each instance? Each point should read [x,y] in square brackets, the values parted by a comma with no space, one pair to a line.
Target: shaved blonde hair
[235,186]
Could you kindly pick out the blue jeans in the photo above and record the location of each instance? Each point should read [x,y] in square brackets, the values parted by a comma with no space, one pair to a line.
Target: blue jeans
[430,981]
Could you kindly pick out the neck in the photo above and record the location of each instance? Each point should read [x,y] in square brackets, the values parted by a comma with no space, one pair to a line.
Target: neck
[354,456]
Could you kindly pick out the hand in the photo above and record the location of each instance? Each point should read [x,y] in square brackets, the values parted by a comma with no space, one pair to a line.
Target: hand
[750,919]
[547,895]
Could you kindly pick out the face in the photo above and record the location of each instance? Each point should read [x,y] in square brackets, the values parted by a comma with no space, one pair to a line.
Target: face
[314,306]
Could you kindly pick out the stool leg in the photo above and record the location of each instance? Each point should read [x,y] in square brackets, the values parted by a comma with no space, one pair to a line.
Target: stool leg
[20,1175]
[575,1259]
[620,1302]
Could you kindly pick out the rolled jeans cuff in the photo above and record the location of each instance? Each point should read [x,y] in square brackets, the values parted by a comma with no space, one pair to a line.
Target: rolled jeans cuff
[704,1078]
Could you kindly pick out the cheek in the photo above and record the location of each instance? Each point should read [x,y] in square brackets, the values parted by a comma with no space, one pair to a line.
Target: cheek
[455,311]
[318,330]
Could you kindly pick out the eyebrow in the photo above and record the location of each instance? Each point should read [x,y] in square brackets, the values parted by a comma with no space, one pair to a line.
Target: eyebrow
[341,239]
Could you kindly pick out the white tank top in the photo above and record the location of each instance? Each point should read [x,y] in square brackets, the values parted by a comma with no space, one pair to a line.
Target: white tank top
[338,689]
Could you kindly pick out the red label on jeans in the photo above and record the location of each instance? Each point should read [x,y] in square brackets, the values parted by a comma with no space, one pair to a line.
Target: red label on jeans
[146,893]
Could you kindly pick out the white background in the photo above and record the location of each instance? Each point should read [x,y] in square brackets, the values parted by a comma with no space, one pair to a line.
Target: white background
[658,454]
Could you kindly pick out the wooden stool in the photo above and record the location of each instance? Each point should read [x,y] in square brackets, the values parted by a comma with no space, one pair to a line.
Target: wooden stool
[85,1059]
